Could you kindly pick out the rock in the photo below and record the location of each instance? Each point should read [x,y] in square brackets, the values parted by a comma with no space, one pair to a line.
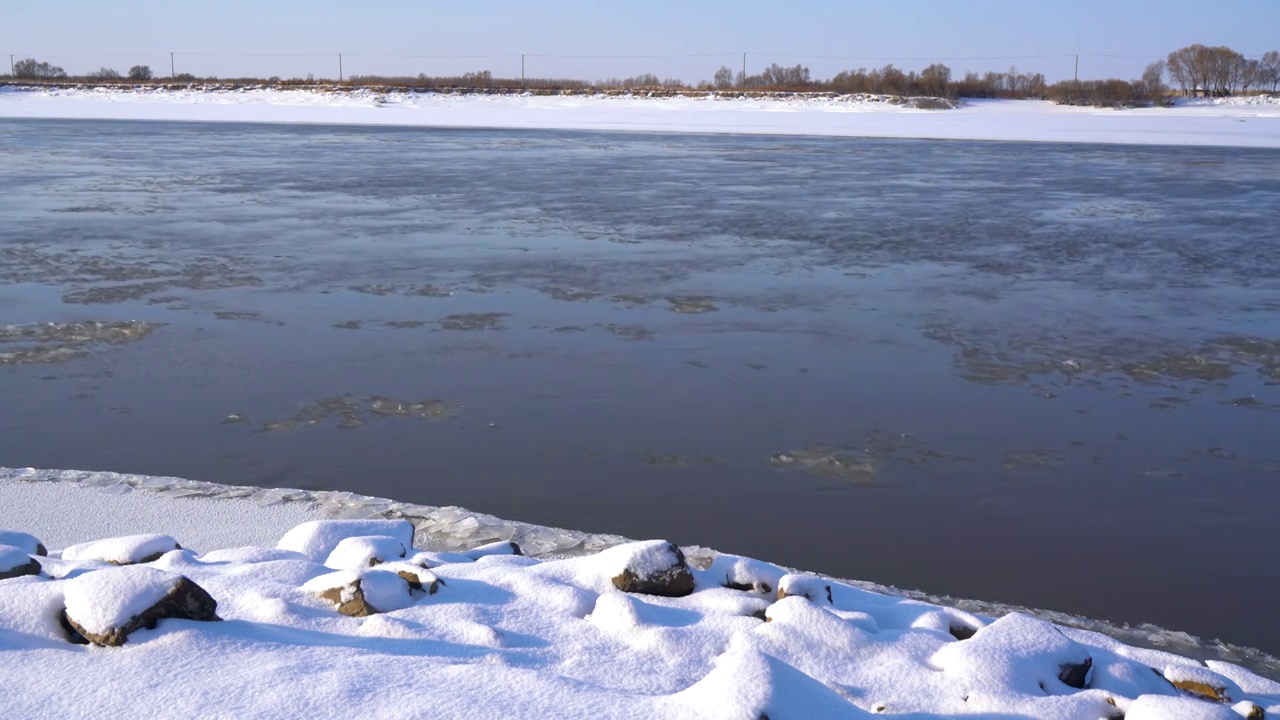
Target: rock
[655,567]
[15,562]
[362,593]
[318,538]
[1199,682]
[105,606]
[361,552]
[128,550]
[27,542]
[810,587]
[505,547]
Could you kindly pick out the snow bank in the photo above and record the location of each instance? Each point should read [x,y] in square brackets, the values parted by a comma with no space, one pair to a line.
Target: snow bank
[1243,124]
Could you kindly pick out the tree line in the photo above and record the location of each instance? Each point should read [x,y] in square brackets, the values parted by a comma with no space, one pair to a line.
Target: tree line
[1195,70]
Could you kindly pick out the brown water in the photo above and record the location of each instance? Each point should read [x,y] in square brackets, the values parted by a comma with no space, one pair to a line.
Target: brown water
[1039,374]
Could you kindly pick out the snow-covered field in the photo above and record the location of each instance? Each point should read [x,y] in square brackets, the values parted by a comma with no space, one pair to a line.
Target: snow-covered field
[1241,122]
[345,618]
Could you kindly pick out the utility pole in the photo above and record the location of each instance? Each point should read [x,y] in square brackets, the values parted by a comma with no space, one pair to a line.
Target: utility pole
[744,69]
[11,72]
[339,67]
[521,71]
[172,74]
[1077,67]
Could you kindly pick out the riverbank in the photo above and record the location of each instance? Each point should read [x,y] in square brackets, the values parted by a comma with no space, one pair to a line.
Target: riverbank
[1243,122]
[680,635]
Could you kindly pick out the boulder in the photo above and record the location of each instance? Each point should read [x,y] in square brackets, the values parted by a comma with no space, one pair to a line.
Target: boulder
[655,567]
[318,538]
[106,606]
[27,542]
[15,562]
[128,550]
[354,553]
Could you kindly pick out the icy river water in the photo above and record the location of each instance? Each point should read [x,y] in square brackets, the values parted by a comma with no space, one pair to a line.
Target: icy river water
[1041,374]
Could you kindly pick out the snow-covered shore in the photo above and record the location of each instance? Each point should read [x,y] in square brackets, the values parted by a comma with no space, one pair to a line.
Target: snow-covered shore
[632,631]
[1243,122]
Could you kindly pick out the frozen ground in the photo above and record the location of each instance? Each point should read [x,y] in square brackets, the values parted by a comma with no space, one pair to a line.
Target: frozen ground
[489,634]
[1249,122]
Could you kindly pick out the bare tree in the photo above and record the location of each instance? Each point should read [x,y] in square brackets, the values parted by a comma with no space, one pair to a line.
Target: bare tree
[935,80]
[724,78]
[140,72]
[1269,67]
[1250,75]
[105,73]
[30,69]
[1153,81]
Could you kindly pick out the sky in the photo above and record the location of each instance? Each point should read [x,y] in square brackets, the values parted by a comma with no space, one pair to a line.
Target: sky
[598,40]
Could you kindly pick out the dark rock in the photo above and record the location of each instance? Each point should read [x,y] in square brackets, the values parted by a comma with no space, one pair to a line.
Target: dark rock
[1075,674]
[186,601]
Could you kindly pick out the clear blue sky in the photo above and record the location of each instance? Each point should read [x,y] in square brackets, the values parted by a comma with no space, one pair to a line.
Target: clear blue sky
[870,31]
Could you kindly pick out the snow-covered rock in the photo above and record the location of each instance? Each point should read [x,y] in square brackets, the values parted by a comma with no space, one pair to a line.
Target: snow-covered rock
[418,576]
[1200,682]
[504,547]
[810,587]
[741,573]
[28,543]
[105,606]
[318,538]
[654,567]
[15,562]
[354,553]
[128,550]
[362,593]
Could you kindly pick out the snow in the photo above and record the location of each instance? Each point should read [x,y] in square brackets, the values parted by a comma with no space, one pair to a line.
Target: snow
[1153,707]
[360,552]
[530,637]
[122,550]
[96,505]
[1237,122]
[318,539]
[107,599]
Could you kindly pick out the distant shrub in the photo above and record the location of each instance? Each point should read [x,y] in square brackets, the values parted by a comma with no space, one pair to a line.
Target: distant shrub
[140,72]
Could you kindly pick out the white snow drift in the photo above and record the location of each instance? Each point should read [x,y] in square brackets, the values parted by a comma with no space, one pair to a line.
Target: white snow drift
[1248,122]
